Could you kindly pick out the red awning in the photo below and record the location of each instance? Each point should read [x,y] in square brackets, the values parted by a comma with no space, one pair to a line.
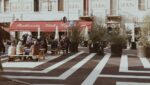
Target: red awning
[45,26]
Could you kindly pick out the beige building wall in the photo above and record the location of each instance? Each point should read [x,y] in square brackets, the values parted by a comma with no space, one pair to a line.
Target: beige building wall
[73,9]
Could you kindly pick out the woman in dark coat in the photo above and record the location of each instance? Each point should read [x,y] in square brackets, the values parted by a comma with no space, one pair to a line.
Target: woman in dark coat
[2,51]
[2,47]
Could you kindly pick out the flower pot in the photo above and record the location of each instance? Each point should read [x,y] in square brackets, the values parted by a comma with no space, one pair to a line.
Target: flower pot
[116,50]
[133,45]
[93,47]
[85,43]
[141,51]
[73,47]
[147,52]
[97,48]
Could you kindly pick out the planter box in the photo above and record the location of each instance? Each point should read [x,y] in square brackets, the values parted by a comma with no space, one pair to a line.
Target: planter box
[141,51]
[73,47]
[93,48]
[147,52]
[133,45]
[116,50]
[96,48]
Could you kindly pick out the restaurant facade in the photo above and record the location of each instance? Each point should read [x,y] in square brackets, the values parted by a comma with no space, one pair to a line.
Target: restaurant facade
[28,15]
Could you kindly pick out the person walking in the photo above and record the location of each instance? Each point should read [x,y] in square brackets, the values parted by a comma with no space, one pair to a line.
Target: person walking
[2,48]
[63,45]
[67,43]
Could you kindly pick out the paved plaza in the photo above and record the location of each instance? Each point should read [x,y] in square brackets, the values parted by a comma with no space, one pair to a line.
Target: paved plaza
[80,68]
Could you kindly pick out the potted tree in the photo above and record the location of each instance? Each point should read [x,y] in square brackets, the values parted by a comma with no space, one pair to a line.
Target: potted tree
[144,41]
[98,38]
[75,38]
[117,42]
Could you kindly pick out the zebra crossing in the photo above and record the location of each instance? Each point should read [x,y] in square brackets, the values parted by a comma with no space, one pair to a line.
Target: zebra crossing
[80,69]
[124,65]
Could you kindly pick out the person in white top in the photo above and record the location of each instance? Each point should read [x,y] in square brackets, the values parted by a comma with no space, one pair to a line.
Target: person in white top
[12,49]
[19,49]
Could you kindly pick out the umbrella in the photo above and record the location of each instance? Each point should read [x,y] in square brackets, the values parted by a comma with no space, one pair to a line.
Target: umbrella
[86,34]
[56,33]
[39,30]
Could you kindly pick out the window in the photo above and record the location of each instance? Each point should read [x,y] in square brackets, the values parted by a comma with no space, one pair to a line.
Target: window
[0,6]
[36,5]
[141,4]
[60,5]
[6,5]
[49,5]
[86,7]
[45,5]
[113,7]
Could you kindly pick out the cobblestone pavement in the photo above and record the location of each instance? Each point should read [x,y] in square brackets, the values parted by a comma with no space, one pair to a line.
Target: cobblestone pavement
[80,68]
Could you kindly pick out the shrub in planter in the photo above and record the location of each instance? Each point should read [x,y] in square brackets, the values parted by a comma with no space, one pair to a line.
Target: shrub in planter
[145,38]
[118,42]
[74,36]
[147,52]
[98,36]
[73,47]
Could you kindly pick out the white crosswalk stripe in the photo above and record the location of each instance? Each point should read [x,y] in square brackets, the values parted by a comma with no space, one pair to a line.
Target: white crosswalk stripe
[97,70]
[49,68]
[124,66]
[61,77]
[145,62]
[131,83]
[126,76]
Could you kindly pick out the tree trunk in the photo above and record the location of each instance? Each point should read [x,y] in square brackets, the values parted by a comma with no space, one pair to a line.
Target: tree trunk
[147,52]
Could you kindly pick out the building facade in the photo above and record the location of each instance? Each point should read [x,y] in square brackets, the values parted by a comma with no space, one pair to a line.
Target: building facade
[131,11]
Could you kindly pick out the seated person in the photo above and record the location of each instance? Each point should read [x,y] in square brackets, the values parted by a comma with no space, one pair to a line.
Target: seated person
[26,50]
[54,46]
[19,49]
[12,50]
[35,50]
